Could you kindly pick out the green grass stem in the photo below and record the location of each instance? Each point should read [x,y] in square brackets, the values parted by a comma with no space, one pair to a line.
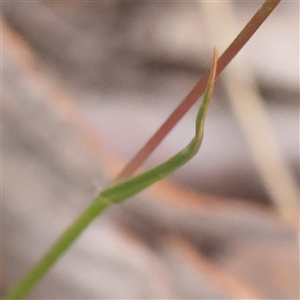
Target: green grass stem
[114,194]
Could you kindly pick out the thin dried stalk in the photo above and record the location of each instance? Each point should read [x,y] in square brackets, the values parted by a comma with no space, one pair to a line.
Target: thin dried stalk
[254,120]
[260,16]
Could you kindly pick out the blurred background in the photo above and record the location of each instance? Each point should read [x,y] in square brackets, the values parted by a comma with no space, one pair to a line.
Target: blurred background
[85,85]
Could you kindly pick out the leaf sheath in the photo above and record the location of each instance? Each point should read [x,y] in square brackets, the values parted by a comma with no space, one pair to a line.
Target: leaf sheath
[114,194]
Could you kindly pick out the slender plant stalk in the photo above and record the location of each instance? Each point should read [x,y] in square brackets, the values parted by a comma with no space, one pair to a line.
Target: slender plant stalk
[114,194]
[260,16]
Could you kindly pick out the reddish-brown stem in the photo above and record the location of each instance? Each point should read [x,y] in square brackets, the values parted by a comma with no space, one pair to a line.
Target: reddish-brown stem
[238,43]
